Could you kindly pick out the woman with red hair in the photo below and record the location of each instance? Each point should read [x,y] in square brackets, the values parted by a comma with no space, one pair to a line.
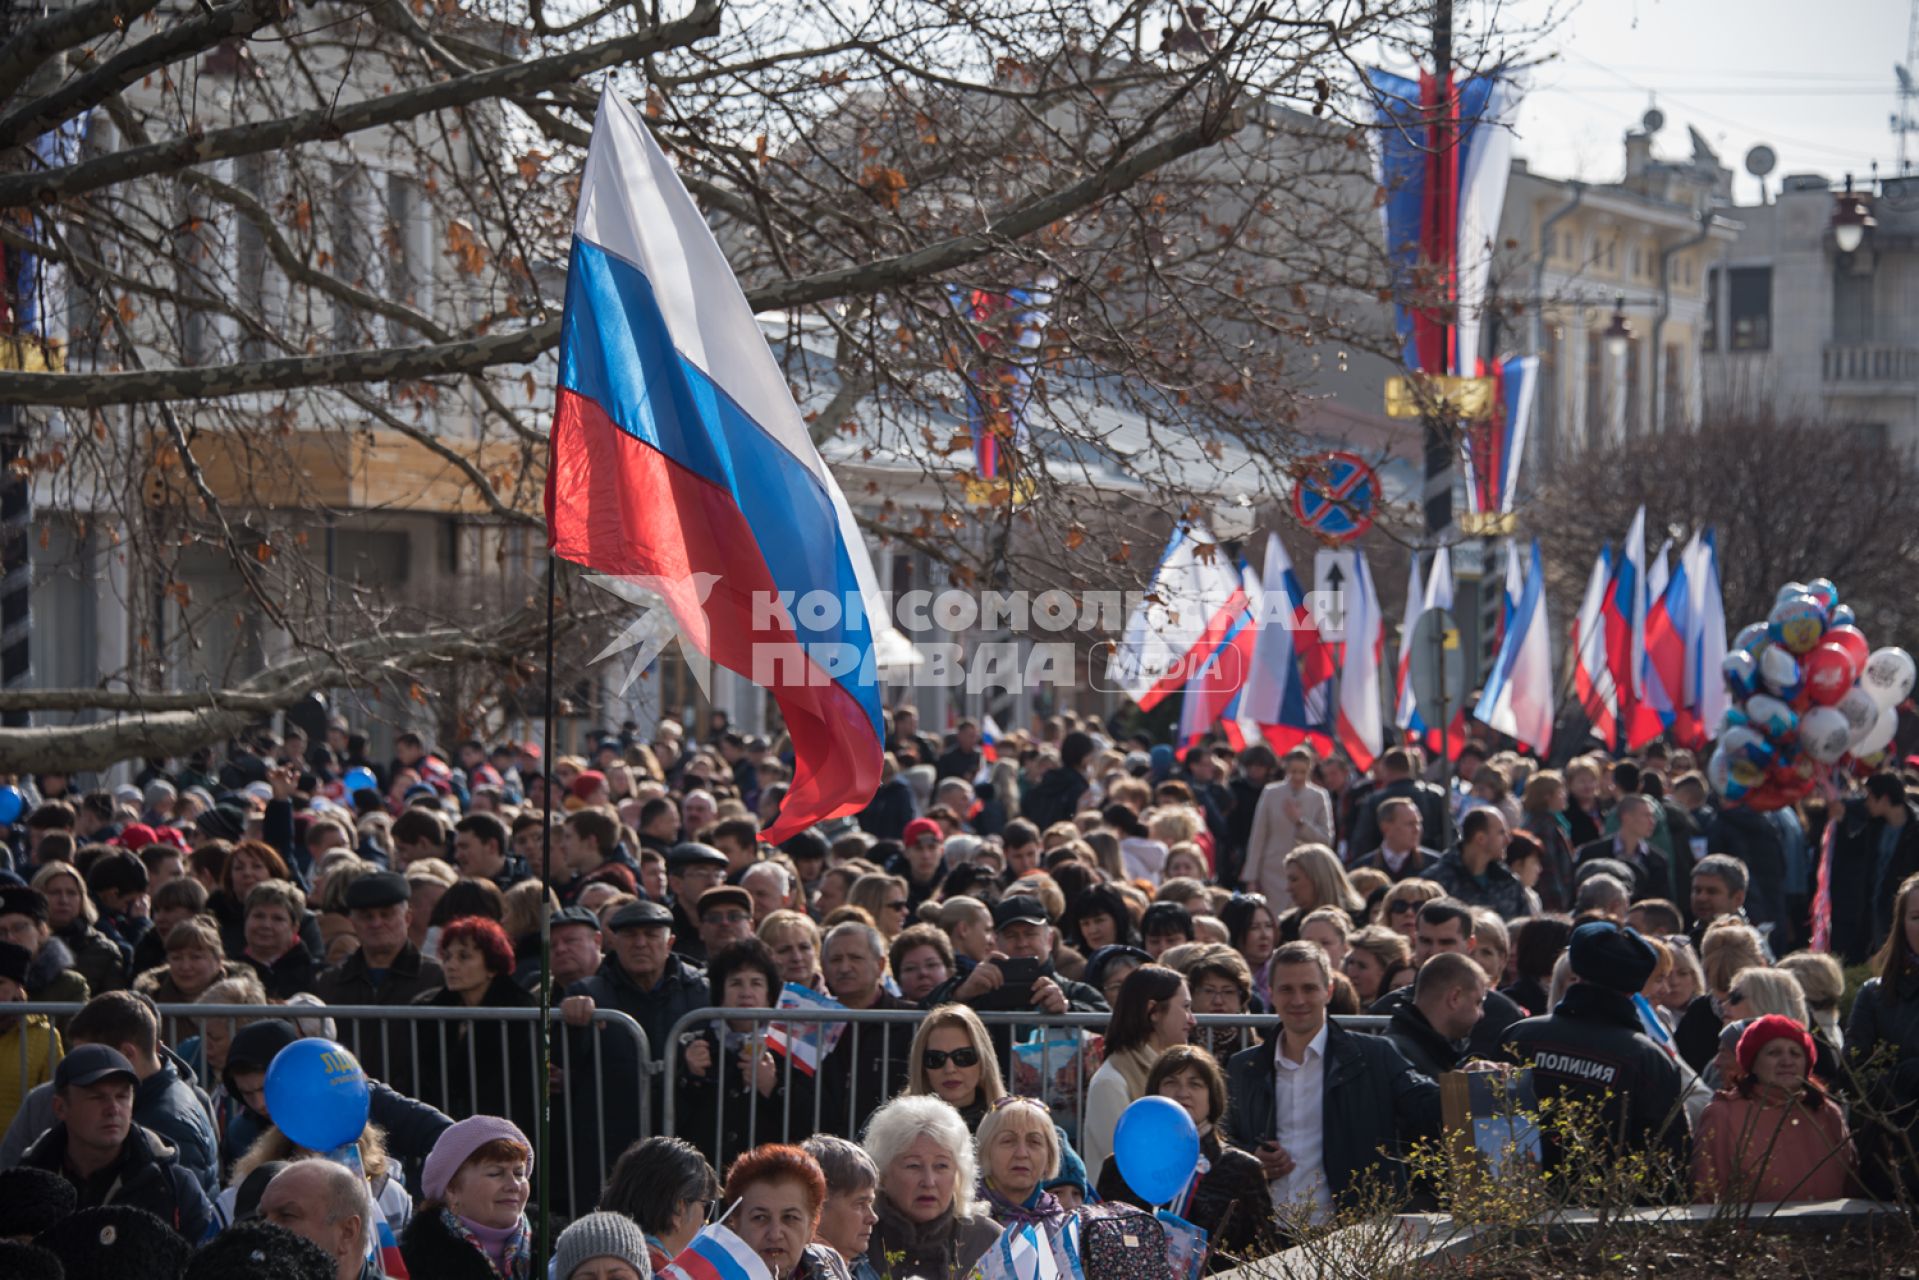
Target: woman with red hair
[772,1201]
[1775,1134]
[484,1067]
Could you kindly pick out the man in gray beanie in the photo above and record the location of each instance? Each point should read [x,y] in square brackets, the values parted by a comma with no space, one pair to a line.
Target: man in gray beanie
[613,1239]
[1591,1046]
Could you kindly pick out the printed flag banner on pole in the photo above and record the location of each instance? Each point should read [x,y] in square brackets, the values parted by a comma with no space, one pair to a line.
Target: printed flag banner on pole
[678,457]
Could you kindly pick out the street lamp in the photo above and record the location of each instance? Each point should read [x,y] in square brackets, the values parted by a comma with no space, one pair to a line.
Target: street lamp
[1851,219]
[1618,335]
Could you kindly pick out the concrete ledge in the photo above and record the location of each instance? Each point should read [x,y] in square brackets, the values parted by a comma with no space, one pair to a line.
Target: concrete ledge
[1410,1238]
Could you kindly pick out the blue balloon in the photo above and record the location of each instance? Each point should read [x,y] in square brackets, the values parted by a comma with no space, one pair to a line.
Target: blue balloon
[12,805]
[317,1094]
[1157,1148]
[1843,616]
[360,779]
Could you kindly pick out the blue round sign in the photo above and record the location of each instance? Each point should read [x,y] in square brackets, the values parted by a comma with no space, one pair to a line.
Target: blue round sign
[1334,495]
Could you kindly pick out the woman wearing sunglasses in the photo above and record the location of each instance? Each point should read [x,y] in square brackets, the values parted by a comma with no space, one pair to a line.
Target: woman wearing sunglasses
[952,1059]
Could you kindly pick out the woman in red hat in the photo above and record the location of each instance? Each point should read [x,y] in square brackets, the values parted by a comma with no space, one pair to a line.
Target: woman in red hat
[1775,1135]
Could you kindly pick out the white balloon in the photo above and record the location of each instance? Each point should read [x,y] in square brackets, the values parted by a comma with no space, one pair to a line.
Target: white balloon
[1779,670]
[1788,591]
[1888,676]
[1880,735]
[1771,716]
[1824,733]
[1860,711]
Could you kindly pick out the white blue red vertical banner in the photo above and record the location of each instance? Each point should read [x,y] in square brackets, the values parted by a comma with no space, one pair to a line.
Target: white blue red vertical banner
[1008,329]
[679,456]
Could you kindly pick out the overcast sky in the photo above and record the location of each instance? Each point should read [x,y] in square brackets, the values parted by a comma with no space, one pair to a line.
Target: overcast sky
[1811,78]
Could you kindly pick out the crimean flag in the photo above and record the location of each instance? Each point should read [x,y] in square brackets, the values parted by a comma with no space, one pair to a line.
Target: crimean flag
[679,458]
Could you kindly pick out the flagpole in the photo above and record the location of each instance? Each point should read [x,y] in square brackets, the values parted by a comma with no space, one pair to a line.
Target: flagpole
[542,1120]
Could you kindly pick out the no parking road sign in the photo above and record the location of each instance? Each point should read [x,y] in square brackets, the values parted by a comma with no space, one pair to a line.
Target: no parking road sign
[1334,495]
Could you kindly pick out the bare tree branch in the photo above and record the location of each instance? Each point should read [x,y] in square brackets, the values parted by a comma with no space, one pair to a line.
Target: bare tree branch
[64,28]
[331,122]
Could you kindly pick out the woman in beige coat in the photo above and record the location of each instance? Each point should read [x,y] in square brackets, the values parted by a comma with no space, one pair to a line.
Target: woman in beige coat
[1291,812]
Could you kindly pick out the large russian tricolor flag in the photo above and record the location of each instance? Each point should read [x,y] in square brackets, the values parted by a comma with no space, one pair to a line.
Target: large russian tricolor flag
[1592,673]
[1289,667]
[1195,597]
[677,450]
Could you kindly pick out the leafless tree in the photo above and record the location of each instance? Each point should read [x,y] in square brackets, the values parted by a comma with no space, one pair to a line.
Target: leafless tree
[328,240]
[1791,499]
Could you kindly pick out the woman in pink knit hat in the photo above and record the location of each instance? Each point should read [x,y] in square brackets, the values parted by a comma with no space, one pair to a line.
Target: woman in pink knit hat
[472,1223]
[1775,1134]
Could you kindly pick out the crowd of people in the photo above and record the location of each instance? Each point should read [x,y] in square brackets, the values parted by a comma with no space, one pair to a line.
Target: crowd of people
[1608,925]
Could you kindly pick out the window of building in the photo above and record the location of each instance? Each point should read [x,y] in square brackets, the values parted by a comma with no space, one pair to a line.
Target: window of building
[1565,246]
[1851,307]
[1672,416]
[1612,254]
[1709,333]
[1749,299]
[1638,263]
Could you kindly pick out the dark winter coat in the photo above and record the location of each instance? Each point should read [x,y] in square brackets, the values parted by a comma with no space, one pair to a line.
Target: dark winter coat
[1435,815]
[385,1049]
[721,1103]
[1861,898]
[167,1105]
[1373,1099]
[149,1177]
[1488,1039]
[680,990]
[1752,838]
[1231,1202]
[1500,889]
[1430,1053]
[96,957]
[1055,797]
[430,1248]
[1592,1047]
[1651,878]
[887,813]
[481,1067]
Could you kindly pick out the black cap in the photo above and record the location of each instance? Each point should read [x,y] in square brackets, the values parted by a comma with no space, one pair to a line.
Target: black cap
[90,1064]
[29,1262]
[1019,909]
[246,1202]
[116,1242]
[381,889]
[223,822]
[693,854]
[641,915]
[259,1250]
[580,915]
[22,900]
[31,1200]
[1607,955]
[14,962]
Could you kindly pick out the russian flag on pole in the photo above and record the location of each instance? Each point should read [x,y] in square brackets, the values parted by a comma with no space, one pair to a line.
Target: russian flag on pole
[678,456]
[1195,596]
[1360,726]
[1592,676]
[1217,681]
[1518,698]
[1289,667]
[1668,625]
[717,1254]
[1625,611]
[1705,690]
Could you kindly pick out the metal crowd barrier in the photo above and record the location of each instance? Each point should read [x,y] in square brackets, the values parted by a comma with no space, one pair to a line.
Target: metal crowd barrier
[894,1030]
[370,1031]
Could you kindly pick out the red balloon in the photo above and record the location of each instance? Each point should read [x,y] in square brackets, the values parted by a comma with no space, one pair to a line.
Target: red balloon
[1829,672]
[1853,641]
[1765,799]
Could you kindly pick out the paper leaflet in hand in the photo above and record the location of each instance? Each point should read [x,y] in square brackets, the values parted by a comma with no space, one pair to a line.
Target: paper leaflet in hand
[1185,1245]
[1055,1067]
[1492,1114]
[806,1043]
[716,1254]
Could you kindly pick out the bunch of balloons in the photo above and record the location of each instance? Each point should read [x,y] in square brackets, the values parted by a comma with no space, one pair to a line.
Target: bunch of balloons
[1809,697]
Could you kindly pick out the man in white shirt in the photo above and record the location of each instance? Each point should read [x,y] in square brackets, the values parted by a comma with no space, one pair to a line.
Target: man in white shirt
[1317,1103]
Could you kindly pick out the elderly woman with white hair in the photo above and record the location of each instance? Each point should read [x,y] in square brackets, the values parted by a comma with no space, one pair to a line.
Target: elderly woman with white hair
[1019,1153]
[930,1224]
